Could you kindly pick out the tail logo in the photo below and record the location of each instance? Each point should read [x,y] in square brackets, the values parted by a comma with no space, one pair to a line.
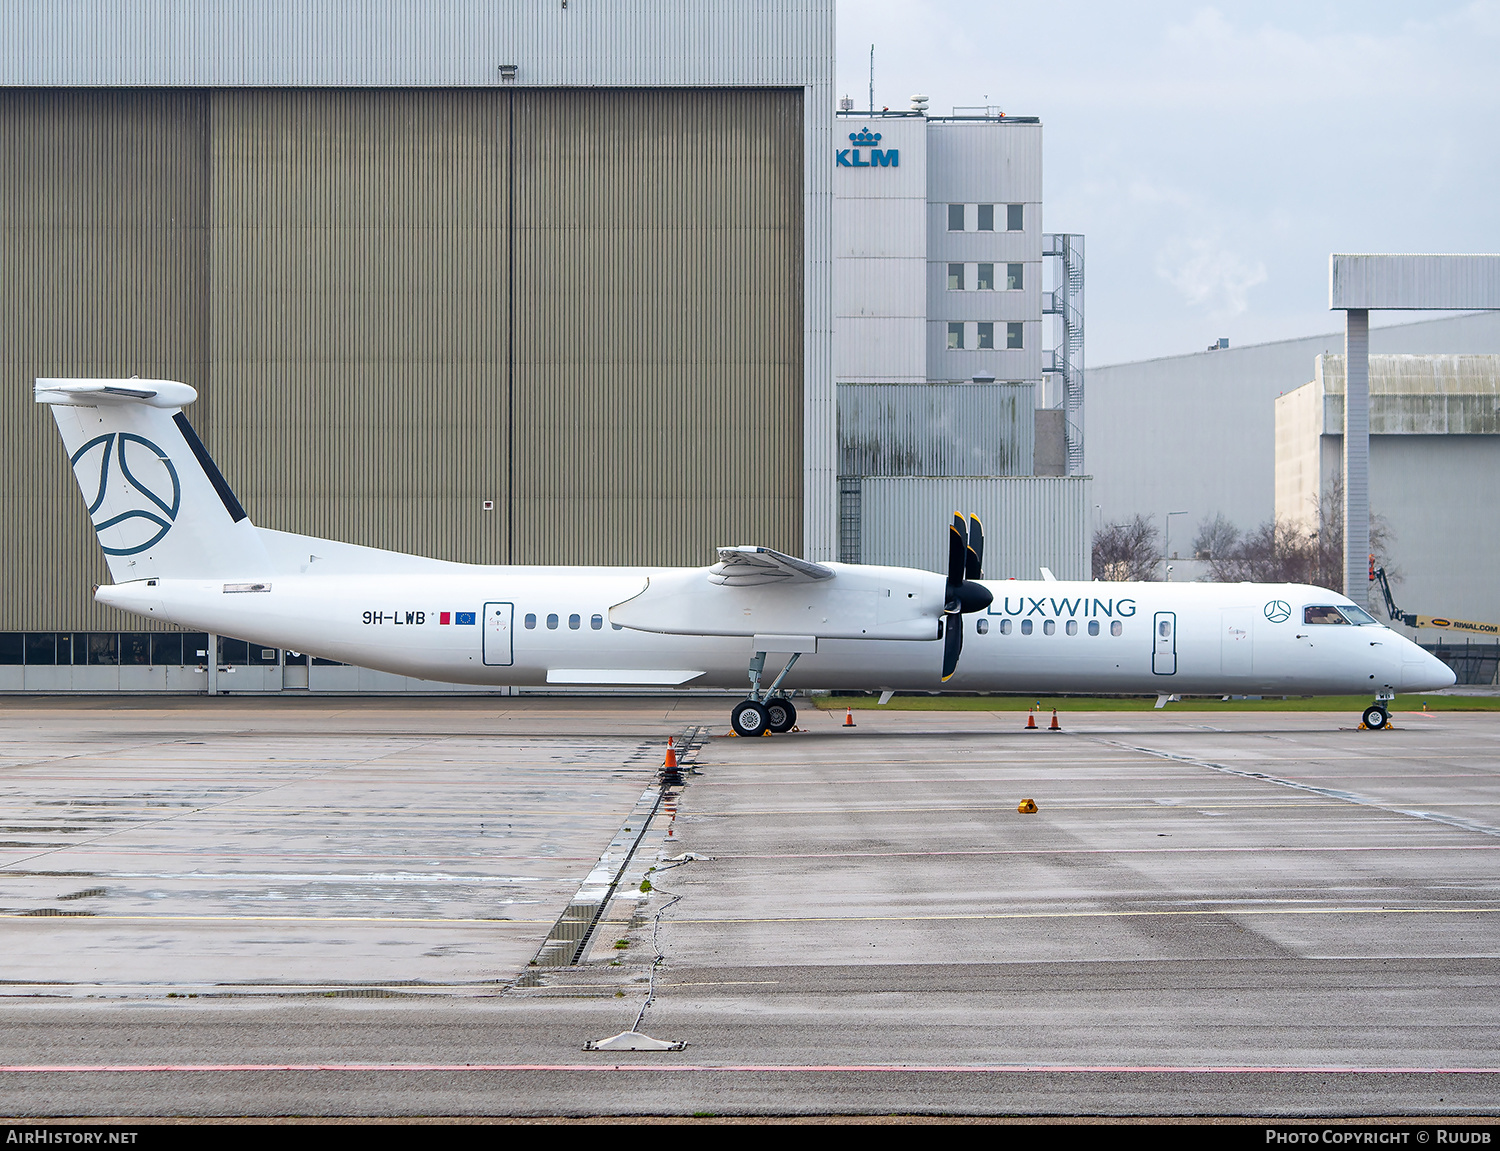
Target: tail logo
[137,491]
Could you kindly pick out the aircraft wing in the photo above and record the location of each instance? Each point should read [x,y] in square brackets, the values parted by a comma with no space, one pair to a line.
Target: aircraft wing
[749,566]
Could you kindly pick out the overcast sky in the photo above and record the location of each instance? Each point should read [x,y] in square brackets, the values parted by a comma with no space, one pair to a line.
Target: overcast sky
[1214,156]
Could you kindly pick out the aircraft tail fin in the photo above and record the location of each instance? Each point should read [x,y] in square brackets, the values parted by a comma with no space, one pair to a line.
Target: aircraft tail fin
[159,504]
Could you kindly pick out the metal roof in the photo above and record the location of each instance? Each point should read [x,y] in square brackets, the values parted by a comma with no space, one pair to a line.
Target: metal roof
[416,43]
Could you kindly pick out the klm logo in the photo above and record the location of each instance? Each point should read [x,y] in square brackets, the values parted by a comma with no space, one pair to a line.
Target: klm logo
[879,157]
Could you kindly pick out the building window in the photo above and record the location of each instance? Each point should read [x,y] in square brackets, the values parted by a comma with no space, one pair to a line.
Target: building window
[955,217]
[530,621]
[1013,281]
[986,217]
[955,277]
[985,280]
[1012,335]
[575,621]
[955,335]
[986,335]
[1025,627]
[1014,217]
[552,622]
[596,622]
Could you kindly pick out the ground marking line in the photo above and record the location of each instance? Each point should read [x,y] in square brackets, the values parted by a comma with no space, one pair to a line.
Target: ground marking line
[1110,851]
[1331,793]
[1216,911]
[261,919]
[773,1068]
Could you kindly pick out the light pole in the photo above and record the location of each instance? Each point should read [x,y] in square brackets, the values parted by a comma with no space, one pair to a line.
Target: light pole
[1167,546]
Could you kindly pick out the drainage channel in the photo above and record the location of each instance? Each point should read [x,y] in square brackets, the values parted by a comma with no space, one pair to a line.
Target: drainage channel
[568,941]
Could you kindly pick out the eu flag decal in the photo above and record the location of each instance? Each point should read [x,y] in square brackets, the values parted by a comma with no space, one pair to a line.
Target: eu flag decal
[463,617]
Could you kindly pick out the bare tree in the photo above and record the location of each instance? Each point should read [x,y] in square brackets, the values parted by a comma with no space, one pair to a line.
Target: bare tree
[1217,536]
[1127,551]
[1280,551]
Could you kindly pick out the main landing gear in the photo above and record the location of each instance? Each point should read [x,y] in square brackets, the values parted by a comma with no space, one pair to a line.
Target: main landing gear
[768,711]
[1376,716]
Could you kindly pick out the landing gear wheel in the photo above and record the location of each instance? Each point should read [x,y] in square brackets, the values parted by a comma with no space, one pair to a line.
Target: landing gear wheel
[749,718]
[1376,717]
[781,715]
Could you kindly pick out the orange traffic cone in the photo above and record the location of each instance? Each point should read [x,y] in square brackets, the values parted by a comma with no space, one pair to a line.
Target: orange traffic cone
[848,717]
[671,760]
[1055,726]
[1031,720]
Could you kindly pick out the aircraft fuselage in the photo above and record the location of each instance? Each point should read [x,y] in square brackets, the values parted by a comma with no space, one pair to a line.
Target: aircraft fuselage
[552,626]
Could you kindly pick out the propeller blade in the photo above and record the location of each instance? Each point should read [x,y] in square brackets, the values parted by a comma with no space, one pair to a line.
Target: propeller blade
[958,548]
[953,643]
[974,568]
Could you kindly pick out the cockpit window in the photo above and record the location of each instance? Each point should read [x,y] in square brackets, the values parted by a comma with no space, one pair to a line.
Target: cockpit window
[1322,613]
[1357,615]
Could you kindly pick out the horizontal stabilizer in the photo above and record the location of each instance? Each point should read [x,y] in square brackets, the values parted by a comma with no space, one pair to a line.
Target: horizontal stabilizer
[92,393]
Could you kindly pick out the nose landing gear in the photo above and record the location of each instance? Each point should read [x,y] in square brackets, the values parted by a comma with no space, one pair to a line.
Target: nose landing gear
[1377,716]
[770,711]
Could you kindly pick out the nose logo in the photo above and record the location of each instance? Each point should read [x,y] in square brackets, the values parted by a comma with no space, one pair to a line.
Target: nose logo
[1278,611]
[137,492]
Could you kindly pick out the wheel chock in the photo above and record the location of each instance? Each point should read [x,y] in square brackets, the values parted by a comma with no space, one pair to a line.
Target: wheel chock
[1027,807]
[765,733]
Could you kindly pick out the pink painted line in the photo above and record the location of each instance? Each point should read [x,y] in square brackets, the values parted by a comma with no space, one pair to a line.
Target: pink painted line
[840,1068]
[1114,851]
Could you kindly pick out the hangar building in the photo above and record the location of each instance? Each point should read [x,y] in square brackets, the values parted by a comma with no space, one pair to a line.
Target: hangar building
[526,283]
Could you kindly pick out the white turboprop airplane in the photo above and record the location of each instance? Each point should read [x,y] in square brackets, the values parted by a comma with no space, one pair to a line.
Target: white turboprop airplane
[182,550]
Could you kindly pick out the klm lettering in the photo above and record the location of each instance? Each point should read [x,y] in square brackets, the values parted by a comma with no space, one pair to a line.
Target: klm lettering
[879,157]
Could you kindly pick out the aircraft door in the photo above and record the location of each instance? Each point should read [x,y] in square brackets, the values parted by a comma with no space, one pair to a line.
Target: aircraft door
[499,650]
[1164,643]
[1235,641]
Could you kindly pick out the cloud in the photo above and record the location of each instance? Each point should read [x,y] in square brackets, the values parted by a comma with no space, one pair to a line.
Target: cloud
[1209,276]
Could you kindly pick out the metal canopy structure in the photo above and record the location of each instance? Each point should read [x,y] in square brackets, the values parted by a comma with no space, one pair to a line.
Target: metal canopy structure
[1358,285]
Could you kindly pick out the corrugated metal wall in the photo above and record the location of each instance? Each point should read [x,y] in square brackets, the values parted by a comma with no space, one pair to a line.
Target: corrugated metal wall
[1029,522]
[659,325]
[332,267]
[102,272]
[936,429]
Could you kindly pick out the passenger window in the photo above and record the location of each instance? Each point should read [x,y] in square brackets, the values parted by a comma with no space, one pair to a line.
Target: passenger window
[596,622]
[1048,626]
[1322,613]
[575,621]
[1005,627]
[1025,627]
[618,626]
[982,626]
[531,620]
[552,622]
[1115,627]
[1072,628]
[1093,627]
